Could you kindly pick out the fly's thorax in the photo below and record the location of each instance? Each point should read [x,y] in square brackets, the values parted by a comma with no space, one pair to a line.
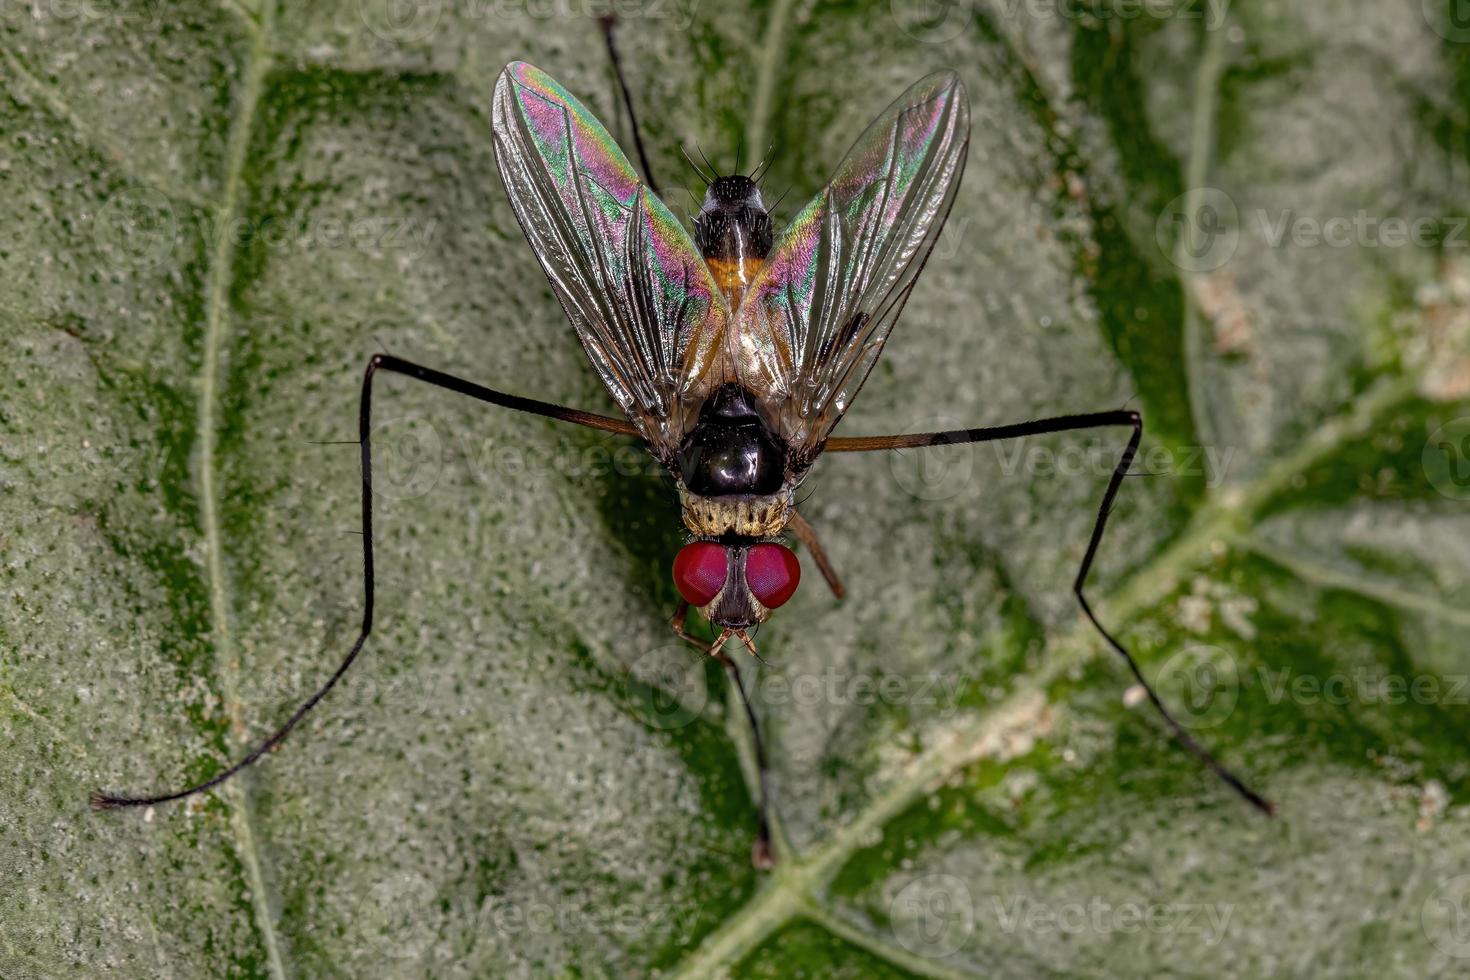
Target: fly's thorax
[740,515]
[733,232]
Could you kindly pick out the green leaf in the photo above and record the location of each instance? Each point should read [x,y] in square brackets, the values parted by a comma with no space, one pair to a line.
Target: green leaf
[212,217]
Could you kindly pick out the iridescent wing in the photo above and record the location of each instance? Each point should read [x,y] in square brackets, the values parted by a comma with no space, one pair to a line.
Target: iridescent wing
[816,316]
[626,272]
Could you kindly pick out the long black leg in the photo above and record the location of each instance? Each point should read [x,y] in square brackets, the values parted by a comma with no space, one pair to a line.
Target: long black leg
[1068,423]
[379,362]
[609,24]
[762,854]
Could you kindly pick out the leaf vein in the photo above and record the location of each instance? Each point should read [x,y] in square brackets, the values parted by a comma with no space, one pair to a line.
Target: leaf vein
[221,260]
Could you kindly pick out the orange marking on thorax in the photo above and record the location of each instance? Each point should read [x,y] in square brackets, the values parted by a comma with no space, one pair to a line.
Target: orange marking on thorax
[733,275]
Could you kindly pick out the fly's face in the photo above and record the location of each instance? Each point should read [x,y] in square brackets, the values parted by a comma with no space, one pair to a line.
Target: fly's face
[736,586]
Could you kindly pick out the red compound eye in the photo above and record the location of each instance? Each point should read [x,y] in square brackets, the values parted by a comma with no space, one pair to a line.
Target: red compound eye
[699,571]
[772,573]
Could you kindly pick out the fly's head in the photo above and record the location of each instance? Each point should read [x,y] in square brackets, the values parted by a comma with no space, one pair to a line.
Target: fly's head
[736,585]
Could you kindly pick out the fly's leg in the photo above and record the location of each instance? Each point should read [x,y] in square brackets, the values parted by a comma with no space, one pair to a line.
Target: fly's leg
[379,362]
[679,624]
[609,24]
[1070,423]
[807,535]
[762,854]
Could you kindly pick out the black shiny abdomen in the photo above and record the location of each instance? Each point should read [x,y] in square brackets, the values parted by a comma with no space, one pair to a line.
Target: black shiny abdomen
[730,451]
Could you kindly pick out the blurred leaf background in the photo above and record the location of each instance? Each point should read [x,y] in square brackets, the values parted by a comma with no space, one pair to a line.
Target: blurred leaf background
[1245,219]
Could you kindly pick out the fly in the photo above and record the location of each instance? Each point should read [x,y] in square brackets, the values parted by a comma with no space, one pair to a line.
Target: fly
[733,353]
